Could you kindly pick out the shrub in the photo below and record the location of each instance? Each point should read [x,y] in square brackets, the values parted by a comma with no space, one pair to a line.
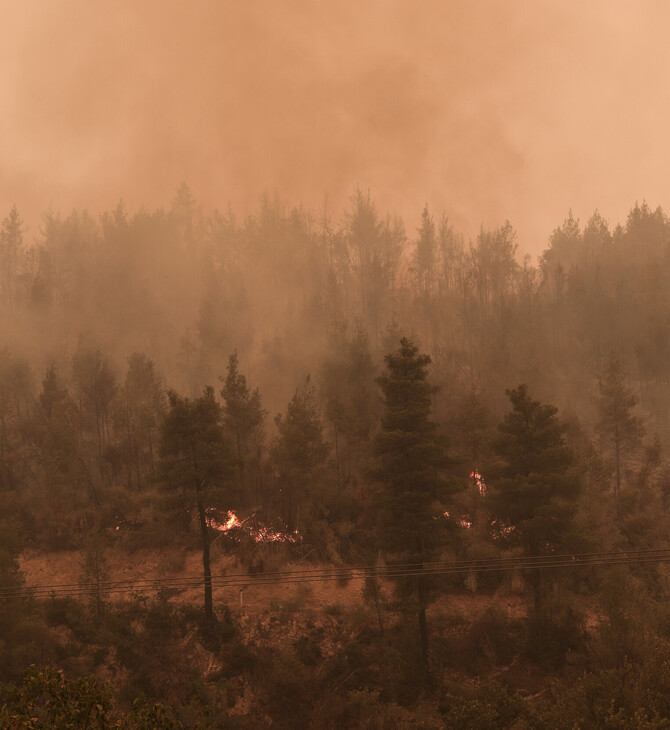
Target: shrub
[289,691]
[551,635]
[629,696]
[495,636]
[307,651]
[493,707]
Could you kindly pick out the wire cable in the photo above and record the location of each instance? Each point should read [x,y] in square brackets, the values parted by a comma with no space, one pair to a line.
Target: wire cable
[408,570]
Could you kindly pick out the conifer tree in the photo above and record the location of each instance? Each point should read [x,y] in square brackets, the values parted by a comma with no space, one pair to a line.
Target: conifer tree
[196,460]
[410,458]
[11,240]
[425,254]
[616,423]
[535,487]
[243,414]
[144,403]
[299,450]
[57,434]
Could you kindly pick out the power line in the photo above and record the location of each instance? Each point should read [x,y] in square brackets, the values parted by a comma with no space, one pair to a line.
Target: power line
[439,568]
[474,563]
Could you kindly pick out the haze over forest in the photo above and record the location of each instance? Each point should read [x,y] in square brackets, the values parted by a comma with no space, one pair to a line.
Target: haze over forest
[488,111]
[335,365]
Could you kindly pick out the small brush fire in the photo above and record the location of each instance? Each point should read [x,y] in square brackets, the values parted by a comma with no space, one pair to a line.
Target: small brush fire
[478,479]
[250,527]
[466,521]
[463,520]
[499,531]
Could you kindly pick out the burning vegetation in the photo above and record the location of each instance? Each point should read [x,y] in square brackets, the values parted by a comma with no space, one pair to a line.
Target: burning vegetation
[450,484]
[249,528]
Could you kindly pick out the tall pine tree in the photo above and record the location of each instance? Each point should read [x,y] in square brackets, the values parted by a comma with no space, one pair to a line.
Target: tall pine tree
[410,458]
[621,429]
[243,414]
[196,459]
[535,488]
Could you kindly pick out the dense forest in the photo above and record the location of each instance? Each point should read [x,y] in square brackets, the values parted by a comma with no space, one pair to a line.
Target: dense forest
[424,416]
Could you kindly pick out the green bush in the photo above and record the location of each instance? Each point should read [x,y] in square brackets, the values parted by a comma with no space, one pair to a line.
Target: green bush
[238,658]
[629,696]
[552,635]
[493,707]
[492,640]
[63,611]
[48,700]
[307,651]
[289,691]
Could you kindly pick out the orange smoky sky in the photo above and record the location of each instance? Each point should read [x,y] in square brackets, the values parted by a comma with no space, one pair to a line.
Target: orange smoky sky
[485,110]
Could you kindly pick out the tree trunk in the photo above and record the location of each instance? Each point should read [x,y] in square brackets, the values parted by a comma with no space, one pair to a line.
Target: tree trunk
[375,596]
[617,449]
[337,461]
[151,456]
[206,565]
[423,624]
[536,583]
[129,449]
[138,473]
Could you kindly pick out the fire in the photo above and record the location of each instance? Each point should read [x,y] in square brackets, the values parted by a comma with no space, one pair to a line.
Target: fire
[231,521]
[479,481]
[501,530]
[463,521]
[255,530]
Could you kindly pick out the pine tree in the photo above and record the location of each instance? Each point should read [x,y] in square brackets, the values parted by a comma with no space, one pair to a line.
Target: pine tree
[617,424]
[299,450]
[472,421]
[243,414]
[410,458]
[96,385]
[11,240]
[535,487]
[197,460]
[143,403]
[57,435]
[425,254]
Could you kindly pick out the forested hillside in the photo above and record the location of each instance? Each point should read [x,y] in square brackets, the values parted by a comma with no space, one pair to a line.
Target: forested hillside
[336,390]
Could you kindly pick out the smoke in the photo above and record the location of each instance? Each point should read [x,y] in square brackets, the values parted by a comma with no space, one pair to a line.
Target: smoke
[487,110]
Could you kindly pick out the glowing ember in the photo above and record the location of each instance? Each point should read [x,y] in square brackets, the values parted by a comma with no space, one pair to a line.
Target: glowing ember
[478,479]
[463,521]
[500,530]
[231,521]
[257,532]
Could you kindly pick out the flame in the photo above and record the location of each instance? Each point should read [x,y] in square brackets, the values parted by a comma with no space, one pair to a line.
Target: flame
[501,530]
[231,521]
[463,521]
[479,481]
[258,533]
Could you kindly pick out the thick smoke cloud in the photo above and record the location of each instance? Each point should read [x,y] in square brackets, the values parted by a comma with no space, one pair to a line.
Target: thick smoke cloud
[488,110]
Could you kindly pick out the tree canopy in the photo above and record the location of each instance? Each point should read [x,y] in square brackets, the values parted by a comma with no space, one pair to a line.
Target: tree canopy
[410,454]
[534,487]
[196,459]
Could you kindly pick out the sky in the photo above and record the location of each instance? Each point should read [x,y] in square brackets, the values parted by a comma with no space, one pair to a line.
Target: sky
[486,111]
